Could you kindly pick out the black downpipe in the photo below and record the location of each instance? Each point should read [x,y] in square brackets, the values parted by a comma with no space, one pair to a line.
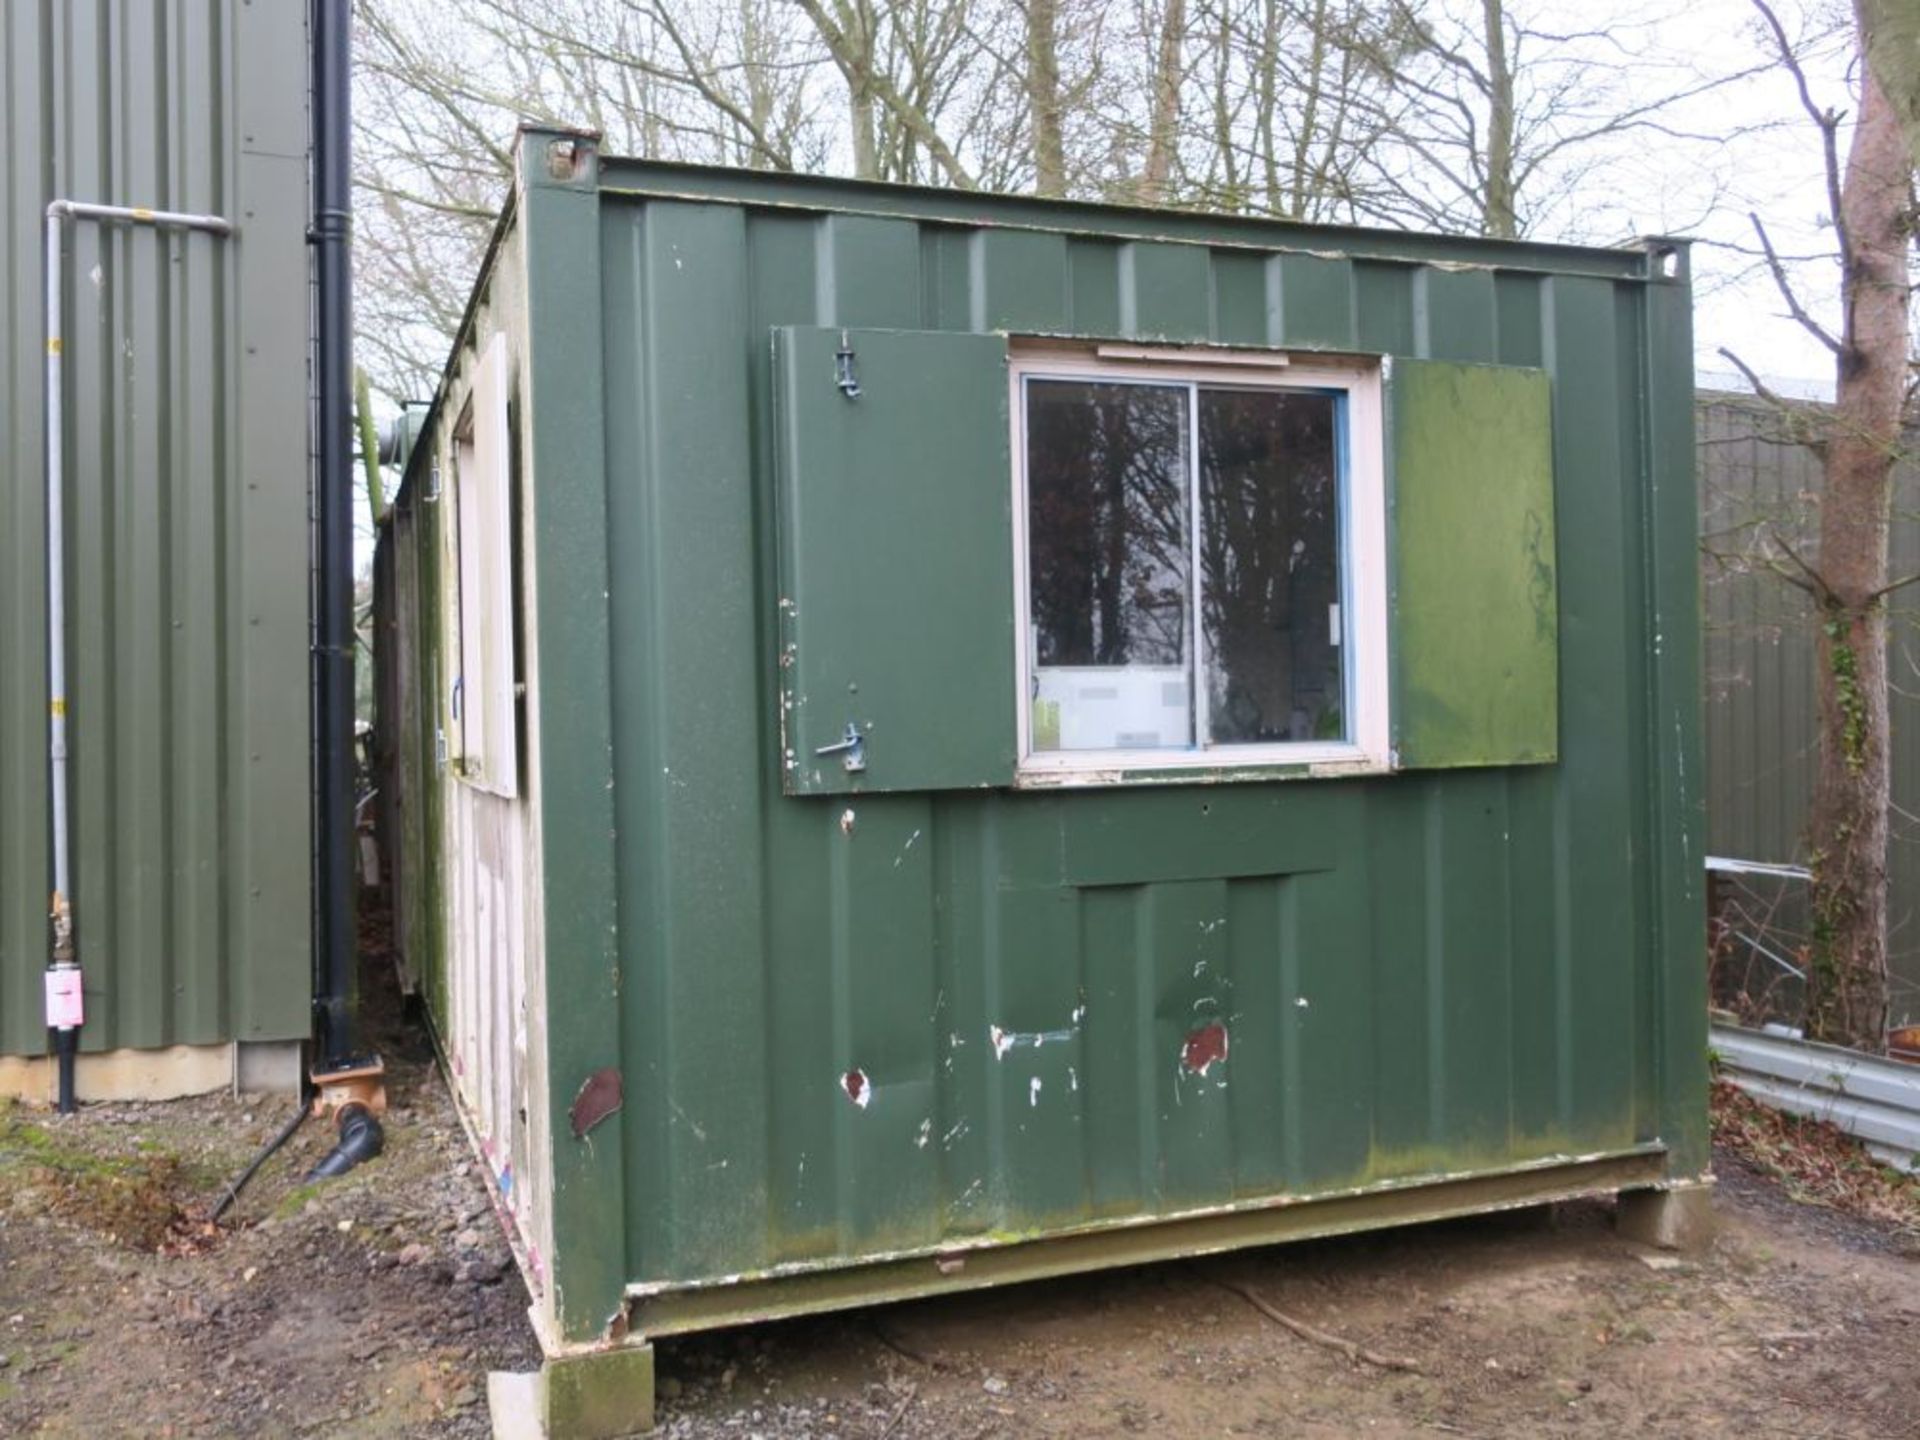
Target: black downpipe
[335,947]
[66,1045]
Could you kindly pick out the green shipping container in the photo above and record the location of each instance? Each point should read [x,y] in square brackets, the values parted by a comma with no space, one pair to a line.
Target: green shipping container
[186,467]
[946,738]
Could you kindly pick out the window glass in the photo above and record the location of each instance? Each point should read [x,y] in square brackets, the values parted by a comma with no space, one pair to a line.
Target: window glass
[1270,566]
[1110,564]
[1185,575]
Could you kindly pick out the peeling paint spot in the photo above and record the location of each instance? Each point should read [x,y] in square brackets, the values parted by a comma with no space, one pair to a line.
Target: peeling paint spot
[1004,1040]
[1033,1092]
[1073,1079]
[846,821]
[1301,1002]
[926,1134]
[601,1093]
[905,848]
[1204,1046]
[854,1082]
[688,1121]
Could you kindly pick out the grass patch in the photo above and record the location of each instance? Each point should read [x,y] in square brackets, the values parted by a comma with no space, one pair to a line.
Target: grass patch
[133,1200]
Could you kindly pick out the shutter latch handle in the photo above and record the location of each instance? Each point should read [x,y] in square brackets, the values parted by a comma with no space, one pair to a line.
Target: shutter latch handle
[853,745]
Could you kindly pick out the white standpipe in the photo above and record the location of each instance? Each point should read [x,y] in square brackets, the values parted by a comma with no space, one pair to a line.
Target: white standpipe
[65,1012]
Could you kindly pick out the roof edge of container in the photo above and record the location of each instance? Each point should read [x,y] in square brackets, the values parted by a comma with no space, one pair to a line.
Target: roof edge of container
[717,184]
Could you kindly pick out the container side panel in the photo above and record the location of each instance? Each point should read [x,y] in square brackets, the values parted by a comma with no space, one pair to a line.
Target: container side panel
[1601,617]
[1164,291]
[860,1024]
[1239,298]
[583,1013]
[1454,315]
[684,645]
[1314,301]
[1016,280]
[1676,989]
[186,478]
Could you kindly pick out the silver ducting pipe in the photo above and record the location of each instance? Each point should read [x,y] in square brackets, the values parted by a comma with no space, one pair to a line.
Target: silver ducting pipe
[65,1013]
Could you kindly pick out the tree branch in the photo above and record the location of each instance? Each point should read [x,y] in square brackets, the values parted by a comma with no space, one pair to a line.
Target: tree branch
[1812,326]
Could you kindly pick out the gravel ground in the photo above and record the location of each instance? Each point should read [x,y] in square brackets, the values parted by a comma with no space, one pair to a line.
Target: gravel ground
[374,1306]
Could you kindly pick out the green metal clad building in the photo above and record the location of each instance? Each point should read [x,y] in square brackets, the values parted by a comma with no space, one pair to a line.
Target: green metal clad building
[185,436]
[946,738]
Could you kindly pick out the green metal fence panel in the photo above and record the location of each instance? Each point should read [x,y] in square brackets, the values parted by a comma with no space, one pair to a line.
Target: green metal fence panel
[1762,728]
[186,505]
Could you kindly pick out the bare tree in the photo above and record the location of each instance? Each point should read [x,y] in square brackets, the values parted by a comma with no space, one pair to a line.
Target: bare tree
[1846,579]
[1498,119]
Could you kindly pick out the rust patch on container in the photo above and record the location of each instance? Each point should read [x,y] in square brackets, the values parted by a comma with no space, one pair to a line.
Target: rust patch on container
[854,1082]
[600,1095]
[1204,1046]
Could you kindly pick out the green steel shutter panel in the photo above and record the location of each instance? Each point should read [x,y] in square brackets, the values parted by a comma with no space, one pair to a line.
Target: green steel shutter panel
[896,561]
[1475,613]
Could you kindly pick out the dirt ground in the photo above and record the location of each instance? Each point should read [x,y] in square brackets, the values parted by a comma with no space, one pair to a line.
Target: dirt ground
[375,1305]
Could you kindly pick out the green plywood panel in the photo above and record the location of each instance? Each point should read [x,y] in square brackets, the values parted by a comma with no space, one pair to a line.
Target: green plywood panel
[896,560]
[1476,631]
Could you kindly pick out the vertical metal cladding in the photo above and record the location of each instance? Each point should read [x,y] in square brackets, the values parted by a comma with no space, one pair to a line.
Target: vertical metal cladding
[1419,974]
[849,1027]
[1762,729]
[186,493]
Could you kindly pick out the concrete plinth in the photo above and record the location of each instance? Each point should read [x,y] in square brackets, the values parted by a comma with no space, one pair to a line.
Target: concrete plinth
[605,1395]
[1674,1217]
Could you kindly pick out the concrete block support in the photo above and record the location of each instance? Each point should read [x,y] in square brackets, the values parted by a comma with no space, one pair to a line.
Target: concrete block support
[1675,1217]
[603,1395]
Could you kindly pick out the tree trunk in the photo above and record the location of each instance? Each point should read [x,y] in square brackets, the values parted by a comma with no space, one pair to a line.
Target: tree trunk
[1847,974]
[1043,98]
[1163,126]
[860,113]
[1893,49]
[1497,208]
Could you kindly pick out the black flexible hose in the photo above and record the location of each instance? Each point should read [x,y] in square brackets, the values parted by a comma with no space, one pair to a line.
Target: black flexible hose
[286,1134]
[360,1139]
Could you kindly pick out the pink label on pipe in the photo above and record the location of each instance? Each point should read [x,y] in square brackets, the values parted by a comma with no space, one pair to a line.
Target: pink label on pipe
[65,1008]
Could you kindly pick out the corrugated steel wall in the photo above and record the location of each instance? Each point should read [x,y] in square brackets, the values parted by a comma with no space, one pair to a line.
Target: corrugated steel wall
[1425,973]
[187,481]
[1422,974]
[1761,725]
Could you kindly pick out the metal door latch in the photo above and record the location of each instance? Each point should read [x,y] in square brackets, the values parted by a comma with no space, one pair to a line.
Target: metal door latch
[853,745]
[843,375]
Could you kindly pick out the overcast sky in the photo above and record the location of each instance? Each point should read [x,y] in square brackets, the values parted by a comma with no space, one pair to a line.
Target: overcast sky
[1770,163]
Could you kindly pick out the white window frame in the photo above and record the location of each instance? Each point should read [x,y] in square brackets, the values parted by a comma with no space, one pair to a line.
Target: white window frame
[486,722]
[1363,530]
